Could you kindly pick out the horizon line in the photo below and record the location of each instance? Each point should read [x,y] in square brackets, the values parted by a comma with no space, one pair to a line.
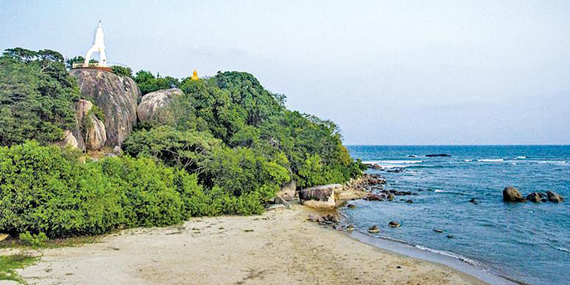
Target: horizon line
[456,144]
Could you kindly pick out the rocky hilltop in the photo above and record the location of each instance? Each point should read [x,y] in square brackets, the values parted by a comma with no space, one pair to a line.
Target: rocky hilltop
[117,98]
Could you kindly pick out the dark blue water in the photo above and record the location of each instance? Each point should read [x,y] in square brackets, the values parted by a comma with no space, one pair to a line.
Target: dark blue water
[525,241]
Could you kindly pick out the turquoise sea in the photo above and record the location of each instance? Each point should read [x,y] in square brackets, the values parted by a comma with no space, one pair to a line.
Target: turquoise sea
[528,242]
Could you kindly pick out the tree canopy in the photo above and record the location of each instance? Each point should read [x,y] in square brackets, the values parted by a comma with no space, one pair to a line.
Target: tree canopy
[36,96]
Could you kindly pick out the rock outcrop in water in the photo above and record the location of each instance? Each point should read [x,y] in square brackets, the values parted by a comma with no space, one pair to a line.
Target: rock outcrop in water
[438,155]
[153,106]
[117,98]
[534,197]
[554,197]
[511,194]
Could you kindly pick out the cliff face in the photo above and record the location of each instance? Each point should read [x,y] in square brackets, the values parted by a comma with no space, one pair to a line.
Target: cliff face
[116,96]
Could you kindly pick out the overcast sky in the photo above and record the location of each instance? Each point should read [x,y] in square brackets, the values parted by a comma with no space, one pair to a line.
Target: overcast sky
[387,72]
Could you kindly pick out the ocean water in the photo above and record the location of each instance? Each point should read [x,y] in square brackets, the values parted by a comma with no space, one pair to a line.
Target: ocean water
[525,241]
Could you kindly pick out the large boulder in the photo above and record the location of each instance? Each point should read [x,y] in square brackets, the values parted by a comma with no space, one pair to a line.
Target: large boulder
[116,96]
[93,128]
[320,197]
[511,194]
[153,105]
[554,197]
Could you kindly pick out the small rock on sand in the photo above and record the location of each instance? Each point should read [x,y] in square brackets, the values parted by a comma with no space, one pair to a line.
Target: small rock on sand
[373,229]
[394,224]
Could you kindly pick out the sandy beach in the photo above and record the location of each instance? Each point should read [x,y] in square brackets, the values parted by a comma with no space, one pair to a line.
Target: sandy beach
[279,247]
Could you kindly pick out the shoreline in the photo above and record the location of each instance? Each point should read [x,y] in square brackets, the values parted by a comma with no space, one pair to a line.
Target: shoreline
[278,247]
[449,259]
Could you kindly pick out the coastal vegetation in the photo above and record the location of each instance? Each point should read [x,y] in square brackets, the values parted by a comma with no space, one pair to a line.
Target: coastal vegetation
[37,96]
[228,149]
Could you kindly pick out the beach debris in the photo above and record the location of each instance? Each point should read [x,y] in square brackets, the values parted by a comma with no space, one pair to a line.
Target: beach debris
[390,197]
[399,267]
[409,201]
[352,206]
[394,224]
[439,231]
[248,230]
[512,194]
[449,236]
[473,201]
[3,236]
[534,197]
[350,228]
[373,229]
[554,197]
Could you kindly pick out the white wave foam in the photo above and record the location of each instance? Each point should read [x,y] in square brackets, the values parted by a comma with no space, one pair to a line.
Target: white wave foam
[491,160]
[447,253]
[552,162]
[392,163]
[467,160]
[562,249]
[450,192]
[400,161]
[522,157]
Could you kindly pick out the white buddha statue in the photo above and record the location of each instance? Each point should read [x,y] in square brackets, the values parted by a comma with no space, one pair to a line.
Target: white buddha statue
[98,46]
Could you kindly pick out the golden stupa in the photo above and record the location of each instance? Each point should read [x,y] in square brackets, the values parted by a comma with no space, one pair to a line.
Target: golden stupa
[194,76]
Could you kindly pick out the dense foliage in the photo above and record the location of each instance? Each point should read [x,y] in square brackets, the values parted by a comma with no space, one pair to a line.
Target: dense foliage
[147,82]
[47,190]
[36,96]
[122,70]
[229,148]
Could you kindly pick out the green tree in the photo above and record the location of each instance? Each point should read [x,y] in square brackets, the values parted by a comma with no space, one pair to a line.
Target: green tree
[122,70]
[37,96]
[147,82]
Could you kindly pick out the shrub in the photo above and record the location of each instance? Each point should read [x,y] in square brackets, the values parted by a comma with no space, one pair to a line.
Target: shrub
[148,194]
[122,70]
[46,190]
[33,240]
